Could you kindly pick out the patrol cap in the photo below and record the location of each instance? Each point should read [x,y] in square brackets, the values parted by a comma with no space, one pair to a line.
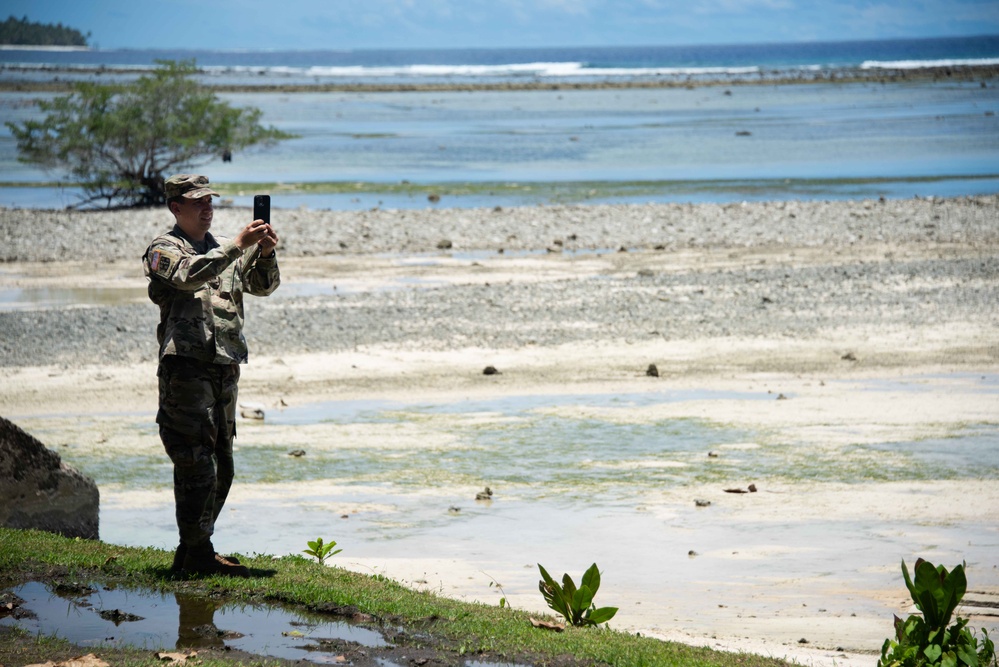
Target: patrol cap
[190,186]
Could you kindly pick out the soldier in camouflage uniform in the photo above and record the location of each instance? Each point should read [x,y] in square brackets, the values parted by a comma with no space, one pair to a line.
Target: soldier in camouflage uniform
[198,281]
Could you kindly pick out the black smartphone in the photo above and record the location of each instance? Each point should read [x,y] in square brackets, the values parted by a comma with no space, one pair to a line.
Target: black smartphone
[262,208]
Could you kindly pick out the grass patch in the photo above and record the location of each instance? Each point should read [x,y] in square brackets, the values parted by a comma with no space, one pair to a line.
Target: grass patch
[452,630]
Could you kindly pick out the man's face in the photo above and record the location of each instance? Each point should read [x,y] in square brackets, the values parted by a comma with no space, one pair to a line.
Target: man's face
[194,216]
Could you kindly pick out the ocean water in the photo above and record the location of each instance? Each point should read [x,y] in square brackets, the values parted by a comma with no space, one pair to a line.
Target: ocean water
[705,61]
[751,140]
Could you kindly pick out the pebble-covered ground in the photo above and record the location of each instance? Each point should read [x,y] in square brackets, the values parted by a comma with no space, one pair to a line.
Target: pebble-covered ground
[45,236]
[900,263]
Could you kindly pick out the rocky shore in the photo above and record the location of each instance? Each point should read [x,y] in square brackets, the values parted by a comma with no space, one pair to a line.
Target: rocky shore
[539,276]
[30,235]
[946,73]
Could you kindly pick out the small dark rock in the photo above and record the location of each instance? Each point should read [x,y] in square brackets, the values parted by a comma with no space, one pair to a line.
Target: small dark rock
[73,589]
[490,370]
[297,453]
[849,356]
[209,631]
[13,606]
[444,244]
[433,197]
[118,616]
[652,371]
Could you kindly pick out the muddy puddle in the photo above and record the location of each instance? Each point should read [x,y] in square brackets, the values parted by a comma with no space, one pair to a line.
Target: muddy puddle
[94,616]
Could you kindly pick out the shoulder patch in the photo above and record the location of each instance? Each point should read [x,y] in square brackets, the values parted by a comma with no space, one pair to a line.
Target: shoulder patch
[161,262]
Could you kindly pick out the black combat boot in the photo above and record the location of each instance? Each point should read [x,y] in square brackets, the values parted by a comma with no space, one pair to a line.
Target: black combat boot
[181,553]
[202,559]
[178,558]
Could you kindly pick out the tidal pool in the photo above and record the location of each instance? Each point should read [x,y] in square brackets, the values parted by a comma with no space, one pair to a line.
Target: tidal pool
[34,298]
[595,450]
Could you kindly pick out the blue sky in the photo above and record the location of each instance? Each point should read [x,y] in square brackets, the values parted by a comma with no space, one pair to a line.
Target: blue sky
[358,24]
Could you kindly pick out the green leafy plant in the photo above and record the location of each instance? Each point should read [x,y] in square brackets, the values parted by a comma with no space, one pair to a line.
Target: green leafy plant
[927,641]
[320,550]
[575,604]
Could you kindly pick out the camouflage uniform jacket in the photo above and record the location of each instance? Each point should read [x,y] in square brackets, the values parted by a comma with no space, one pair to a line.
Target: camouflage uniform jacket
[201,296]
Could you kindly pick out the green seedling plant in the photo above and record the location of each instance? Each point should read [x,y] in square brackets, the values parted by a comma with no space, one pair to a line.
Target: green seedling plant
[320,550]
[499,587]
[930,640]
[575,604]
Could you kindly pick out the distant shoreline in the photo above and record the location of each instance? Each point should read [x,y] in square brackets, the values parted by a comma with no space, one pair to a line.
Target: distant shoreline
[407,194]
[963,73]
[39,47]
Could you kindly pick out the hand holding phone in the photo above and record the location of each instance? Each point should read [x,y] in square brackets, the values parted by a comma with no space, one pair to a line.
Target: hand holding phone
[262,211]
[262,208]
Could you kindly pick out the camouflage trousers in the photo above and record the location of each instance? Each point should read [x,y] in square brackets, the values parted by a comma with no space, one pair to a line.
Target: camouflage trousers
[197,419]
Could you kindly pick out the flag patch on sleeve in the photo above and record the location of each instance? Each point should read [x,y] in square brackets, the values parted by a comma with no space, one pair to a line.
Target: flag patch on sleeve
[160,263]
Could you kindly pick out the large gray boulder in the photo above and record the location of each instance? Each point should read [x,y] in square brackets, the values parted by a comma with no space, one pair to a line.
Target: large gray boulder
[38,491]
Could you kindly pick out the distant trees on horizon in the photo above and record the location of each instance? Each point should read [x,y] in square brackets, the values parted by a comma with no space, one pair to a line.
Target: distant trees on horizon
[23,32]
